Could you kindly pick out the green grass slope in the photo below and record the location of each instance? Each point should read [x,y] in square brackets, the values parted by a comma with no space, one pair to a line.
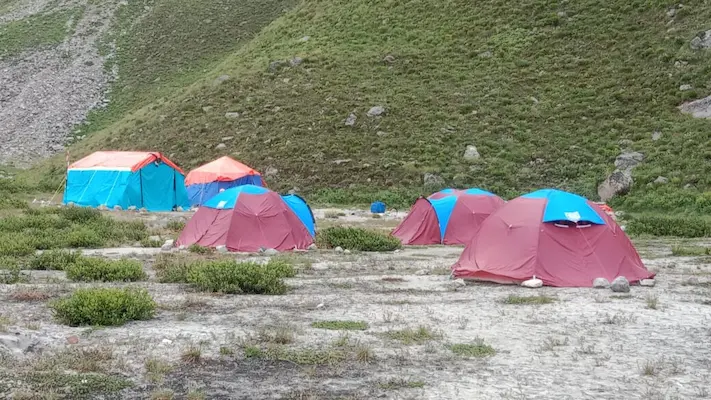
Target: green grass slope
[548,91]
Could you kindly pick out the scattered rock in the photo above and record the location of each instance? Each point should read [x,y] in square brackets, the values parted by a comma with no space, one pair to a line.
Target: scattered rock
[532,283]
[343,161]
[207,109]
[692,281]
[168,245]
[471,153]
[671,13]
[601,283]
[618,183]
[397,251]
[562,14]
[351,120]
[661,180]
[620,285]
[117,208]
[296,61]
[432,180]
[222,249]
[389,59]
[381,133]
[220,79]
[179,209]
[102,207]
[688,186]
[220,146]
[305,39]
[656,135]
[346,251]
[182,247]
[232,115]
[275,66]
[72,340]
[701,41]
[131,208]
[647,282]
[270,252]
[486,54]
[312,247]
[698,108]
[685,87]
[680,63]
[166,341]
[227,138]
[628,160]
[338,249]
[376,111]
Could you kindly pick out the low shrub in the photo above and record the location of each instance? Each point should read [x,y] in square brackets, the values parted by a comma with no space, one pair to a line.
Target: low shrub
[85,238]
[678,250]
[478,349]
[15,245]
[54,260]
[357,239]
[664,225]
[175,226]
[172,268]
[233,277]
[104,307]
[88,269]
[197,249]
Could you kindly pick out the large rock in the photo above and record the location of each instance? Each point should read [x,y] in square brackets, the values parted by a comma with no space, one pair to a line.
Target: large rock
[432,180]
[620,285]
[698,108]
[702,41]
[471,153]
[628,160]
[618,183]
[376,111]
[601,283]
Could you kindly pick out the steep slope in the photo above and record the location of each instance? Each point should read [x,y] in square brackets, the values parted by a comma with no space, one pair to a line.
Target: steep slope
[548,92]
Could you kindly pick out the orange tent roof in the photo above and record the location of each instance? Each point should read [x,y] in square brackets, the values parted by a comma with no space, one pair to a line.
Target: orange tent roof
[224,169]
[134,160]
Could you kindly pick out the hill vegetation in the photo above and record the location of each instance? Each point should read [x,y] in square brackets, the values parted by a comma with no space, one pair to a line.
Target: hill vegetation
[549,92]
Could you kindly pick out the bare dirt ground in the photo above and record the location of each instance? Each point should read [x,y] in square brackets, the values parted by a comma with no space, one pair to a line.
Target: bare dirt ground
[654,343]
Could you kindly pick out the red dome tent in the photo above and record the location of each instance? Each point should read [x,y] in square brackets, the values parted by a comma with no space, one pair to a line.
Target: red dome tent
[561,238]
[449,216]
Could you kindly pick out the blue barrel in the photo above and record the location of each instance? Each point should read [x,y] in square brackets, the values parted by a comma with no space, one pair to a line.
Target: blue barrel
[377,208]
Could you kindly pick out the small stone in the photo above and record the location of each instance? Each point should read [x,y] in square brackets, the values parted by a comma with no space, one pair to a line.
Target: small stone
[270,171]
[376,111]
[227,138]
[661,180]
[620,285]
[102,207]
[305,39]
[656,135]
[182,247]
[389,59]
[222,249]
[270,252]
[220,146]
[346,251]
[168,245]
[381,133]
[702,41]
[131,208]
[166,341]
[692,281]
[432,180]
[421,272]
[685,87]
[351,120]
[232,115]
[296,61]
[397,251]
[471,153]
[671,12]
[312,247]
[647,282]
[294,190]
[457,284]
[338,249]
[117,208]
[143,210]
[72,339]
[562,14]
[220,79]
[601,283]
[628,160]
[274,66]
[207,109]
[179,209]
[486,54]
[532,283]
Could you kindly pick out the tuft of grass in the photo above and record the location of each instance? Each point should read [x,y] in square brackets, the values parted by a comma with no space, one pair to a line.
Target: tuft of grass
[520,300]
[175,226]
[652,301]
[279,334]
[478,349]
[341,325]
[197,249]
[357,239]
[400,383]
[192,355]
[618,319]
[156,370]
[104,307]
[420,335]
[651,368]
[194,394]
[89,269]
[226,351]
[679,250]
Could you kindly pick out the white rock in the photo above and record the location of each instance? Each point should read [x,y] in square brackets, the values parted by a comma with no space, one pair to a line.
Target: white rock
[620,285]
[312,247]
[351,120]
[338,249]
[117,207]
[661,180]
[166,341]
[305,39]
[532,283]
[168,245]
[227,138]
[647,282]
[601,283]
[270,252]
[231,115]
[131,208]
[471,153]
[686,87]
[346,251]
[376,111]
[179,209]
[222,249]
[220,146]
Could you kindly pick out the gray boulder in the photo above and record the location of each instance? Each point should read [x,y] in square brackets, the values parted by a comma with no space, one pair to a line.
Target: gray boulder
[628,160]
[376,111]
[702,41]
[312,247]
[617,183]
[601,283]
[620,285]
[471,153]
[351,120]
[698,108]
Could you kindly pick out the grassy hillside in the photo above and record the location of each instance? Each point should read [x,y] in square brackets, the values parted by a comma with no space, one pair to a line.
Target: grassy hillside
[548,92]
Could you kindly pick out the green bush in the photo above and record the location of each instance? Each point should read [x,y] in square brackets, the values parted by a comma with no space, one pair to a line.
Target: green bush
[81,215]
[233,277]
[84,237]
[16,245]
[197,249]
[172,268]
[88,269]
[357,239]
[104,307]
[54,260]
[659,225]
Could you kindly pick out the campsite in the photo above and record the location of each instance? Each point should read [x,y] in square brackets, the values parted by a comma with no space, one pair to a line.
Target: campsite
[378,317]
